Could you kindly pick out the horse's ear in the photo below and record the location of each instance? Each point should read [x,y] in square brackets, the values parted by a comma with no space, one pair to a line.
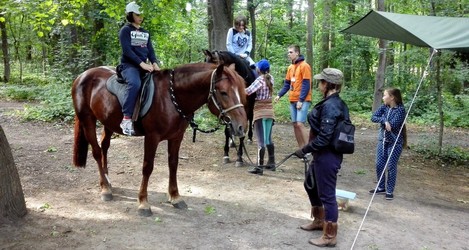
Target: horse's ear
[208,56]
[232,67]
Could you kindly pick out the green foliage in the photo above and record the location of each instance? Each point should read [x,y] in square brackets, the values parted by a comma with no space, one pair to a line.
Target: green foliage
[205,120]
[360,171]
[456,110]
[56,104]
[358,100]
[18,92]
[451,155]
[425,112]
[209,210]
[282,110]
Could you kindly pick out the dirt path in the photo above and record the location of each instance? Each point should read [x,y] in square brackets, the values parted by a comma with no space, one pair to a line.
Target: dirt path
[228,208]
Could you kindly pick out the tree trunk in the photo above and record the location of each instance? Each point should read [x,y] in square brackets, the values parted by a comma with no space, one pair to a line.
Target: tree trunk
[99,48]
[252,21]
[290,5]
[325,38]
[439,91]
[220,14]
[348,40]
[6,55]
[310,34]
[380,72]
[12,203]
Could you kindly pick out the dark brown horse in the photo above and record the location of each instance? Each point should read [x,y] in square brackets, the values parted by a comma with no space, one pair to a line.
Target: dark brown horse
[242,68]
[179,93]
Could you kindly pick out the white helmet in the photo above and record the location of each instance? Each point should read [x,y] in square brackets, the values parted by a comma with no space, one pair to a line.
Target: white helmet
[133,7]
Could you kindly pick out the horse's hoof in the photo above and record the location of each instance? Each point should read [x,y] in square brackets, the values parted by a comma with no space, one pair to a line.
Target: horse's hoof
[145,212]
[249,141]
[226,160]
[106,196]
[180,205]
[239,164]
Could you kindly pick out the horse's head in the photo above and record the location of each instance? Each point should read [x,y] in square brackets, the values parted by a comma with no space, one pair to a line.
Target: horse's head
[227,97]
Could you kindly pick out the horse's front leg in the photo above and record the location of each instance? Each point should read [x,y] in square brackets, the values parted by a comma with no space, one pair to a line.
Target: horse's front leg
[226,148]
[250,133]
[151,145]
[105,183]
[173,162]
[239,154]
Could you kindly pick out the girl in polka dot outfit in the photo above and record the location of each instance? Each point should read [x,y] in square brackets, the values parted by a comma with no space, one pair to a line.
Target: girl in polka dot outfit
[390,116]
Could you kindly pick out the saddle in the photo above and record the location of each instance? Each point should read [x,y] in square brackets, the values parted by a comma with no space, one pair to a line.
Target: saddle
[117,86]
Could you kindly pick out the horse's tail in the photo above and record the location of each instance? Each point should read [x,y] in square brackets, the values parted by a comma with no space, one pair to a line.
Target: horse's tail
[80,146]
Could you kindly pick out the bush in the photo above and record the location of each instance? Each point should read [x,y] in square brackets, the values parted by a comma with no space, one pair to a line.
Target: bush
[451,155]
[56,104]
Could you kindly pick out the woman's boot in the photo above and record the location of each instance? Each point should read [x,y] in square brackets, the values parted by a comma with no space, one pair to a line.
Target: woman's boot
[260,161]
[329,236]
[317,214]
[271,161]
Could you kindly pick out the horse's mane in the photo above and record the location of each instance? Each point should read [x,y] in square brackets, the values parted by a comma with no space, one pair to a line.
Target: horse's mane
[242,66]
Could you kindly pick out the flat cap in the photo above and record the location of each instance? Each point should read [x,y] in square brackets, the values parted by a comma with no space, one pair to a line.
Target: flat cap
[330,75]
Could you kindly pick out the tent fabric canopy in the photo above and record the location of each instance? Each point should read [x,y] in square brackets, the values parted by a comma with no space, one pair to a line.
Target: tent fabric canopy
[450,33]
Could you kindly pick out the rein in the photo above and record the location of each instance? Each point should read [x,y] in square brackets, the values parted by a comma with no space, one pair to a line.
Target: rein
[305,159]
[223,117]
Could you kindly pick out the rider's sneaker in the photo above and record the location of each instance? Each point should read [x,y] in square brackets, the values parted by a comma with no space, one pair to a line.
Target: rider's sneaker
[127,127]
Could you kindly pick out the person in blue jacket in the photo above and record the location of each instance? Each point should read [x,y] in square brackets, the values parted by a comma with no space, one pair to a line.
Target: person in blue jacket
[321,176]
[138,57]
[390,116]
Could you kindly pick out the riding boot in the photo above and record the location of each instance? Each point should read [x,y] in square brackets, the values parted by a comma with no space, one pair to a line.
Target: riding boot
[317,214]
[260,162]
[271,161]
[329,236]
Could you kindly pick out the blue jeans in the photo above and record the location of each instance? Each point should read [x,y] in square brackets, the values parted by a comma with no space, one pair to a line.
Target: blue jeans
[131,75]
[299,115]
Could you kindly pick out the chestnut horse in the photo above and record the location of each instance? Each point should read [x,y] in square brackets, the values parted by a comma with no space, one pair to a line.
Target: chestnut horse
[242,68]
[178,94]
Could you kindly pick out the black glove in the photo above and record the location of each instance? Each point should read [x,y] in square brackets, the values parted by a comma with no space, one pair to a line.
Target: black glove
[299,153]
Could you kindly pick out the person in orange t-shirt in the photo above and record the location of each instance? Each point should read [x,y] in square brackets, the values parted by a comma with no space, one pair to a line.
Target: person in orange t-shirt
[298,82]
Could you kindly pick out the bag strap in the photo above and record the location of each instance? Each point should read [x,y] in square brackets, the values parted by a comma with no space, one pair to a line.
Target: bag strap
[345,111]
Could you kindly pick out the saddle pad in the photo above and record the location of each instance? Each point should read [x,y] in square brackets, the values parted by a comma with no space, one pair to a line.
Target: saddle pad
[118,89]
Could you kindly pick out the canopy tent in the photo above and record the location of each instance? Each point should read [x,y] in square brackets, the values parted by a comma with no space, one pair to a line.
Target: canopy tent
[450,33]
[425,31]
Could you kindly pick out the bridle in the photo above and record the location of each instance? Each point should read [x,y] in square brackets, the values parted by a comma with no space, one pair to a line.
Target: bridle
[224,118]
